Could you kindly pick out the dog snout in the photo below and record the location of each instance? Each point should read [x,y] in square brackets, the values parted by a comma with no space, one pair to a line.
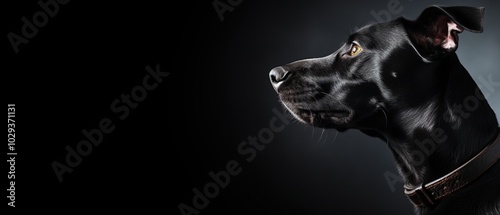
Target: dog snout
[277,76]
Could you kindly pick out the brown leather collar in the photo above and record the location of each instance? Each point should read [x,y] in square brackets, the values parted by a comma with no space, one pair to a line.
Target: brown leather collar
[428,194]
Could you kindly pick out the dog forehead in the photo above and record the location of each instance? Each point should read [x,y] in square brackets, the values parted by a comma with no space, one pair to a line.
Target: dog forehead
[379,35]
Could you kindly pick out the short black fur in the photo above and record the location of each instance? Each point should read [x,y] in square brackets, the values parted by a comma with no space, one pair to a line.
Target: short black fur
[407,87]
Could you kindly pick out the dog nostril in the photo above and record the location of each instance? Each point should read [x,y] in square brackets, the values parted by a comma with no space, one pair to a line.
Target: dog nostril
[278,74]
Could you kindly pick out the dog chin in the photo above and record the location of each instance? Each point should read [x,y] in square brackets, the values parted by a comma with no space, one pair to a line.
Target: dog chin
[324,118]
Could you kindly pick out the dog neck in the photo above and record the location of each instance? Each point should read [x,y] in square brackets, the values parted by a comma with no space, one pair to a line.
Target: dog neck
[445,131]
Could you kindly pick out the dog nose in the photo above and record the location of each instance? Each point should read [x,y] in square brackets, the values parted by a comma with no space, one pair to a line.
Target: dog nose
[277,76]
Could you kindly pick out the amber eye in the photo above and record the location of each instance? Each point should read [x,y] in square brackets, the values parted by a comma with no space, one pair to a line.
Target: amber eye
[355,50]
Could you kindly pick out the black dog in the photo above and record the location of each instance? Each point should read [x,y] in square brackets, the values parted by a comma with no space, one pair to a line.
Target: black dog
[401,81]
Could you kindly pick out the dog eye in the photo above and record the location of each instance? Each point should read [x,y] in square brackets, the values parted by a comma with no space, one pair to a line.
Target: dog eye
[355,50]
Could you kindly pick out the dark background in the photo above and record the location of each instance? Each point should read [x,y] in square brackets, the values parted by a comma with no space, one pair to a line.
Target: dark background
[216,96]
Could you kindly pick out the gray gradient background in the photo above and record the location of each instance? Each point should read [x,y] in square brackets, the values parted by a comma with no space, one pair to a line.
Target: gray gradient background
[218,94]
[311,170]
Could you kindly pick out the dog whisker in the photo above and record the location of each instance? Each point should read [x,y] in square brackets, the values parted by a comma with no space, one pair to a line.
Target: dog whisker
[333,141]
[317,142]
[324,141]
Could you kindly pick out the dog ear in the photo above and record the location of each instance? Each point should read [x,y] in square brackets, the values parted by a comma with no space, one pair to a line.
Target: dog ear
[435,33]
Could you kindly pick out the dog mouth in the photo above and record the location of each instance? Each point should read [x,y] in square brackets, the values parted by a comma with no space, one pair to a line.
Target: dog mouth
[311,103]
[311,108]
[325,118]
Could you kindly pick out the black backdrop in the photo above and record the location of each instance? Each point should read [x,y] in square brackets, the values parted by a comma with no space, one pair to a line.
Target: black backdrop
[215,112]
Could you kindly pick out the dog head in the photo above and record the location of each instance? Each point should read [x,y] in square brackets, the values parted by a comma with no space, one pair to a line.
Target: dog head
[383,66]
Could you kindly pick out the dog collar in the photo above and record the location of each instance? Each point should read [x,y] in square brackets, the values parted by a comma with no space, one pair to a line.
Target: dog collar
[428,194]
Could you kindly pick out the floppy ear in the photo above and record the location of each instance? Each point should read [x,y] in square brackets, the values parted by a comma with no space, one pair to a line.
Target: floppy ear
[435,33]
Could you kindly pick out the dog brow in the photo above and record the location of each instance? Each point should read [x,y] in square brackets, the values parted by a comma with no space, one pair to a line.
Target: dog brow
[352,37]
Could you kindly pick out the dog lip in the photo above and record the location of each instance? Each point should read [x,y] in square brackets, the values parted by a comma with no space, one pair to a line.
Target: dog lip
[297,98]
[325,117]
[304,90]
